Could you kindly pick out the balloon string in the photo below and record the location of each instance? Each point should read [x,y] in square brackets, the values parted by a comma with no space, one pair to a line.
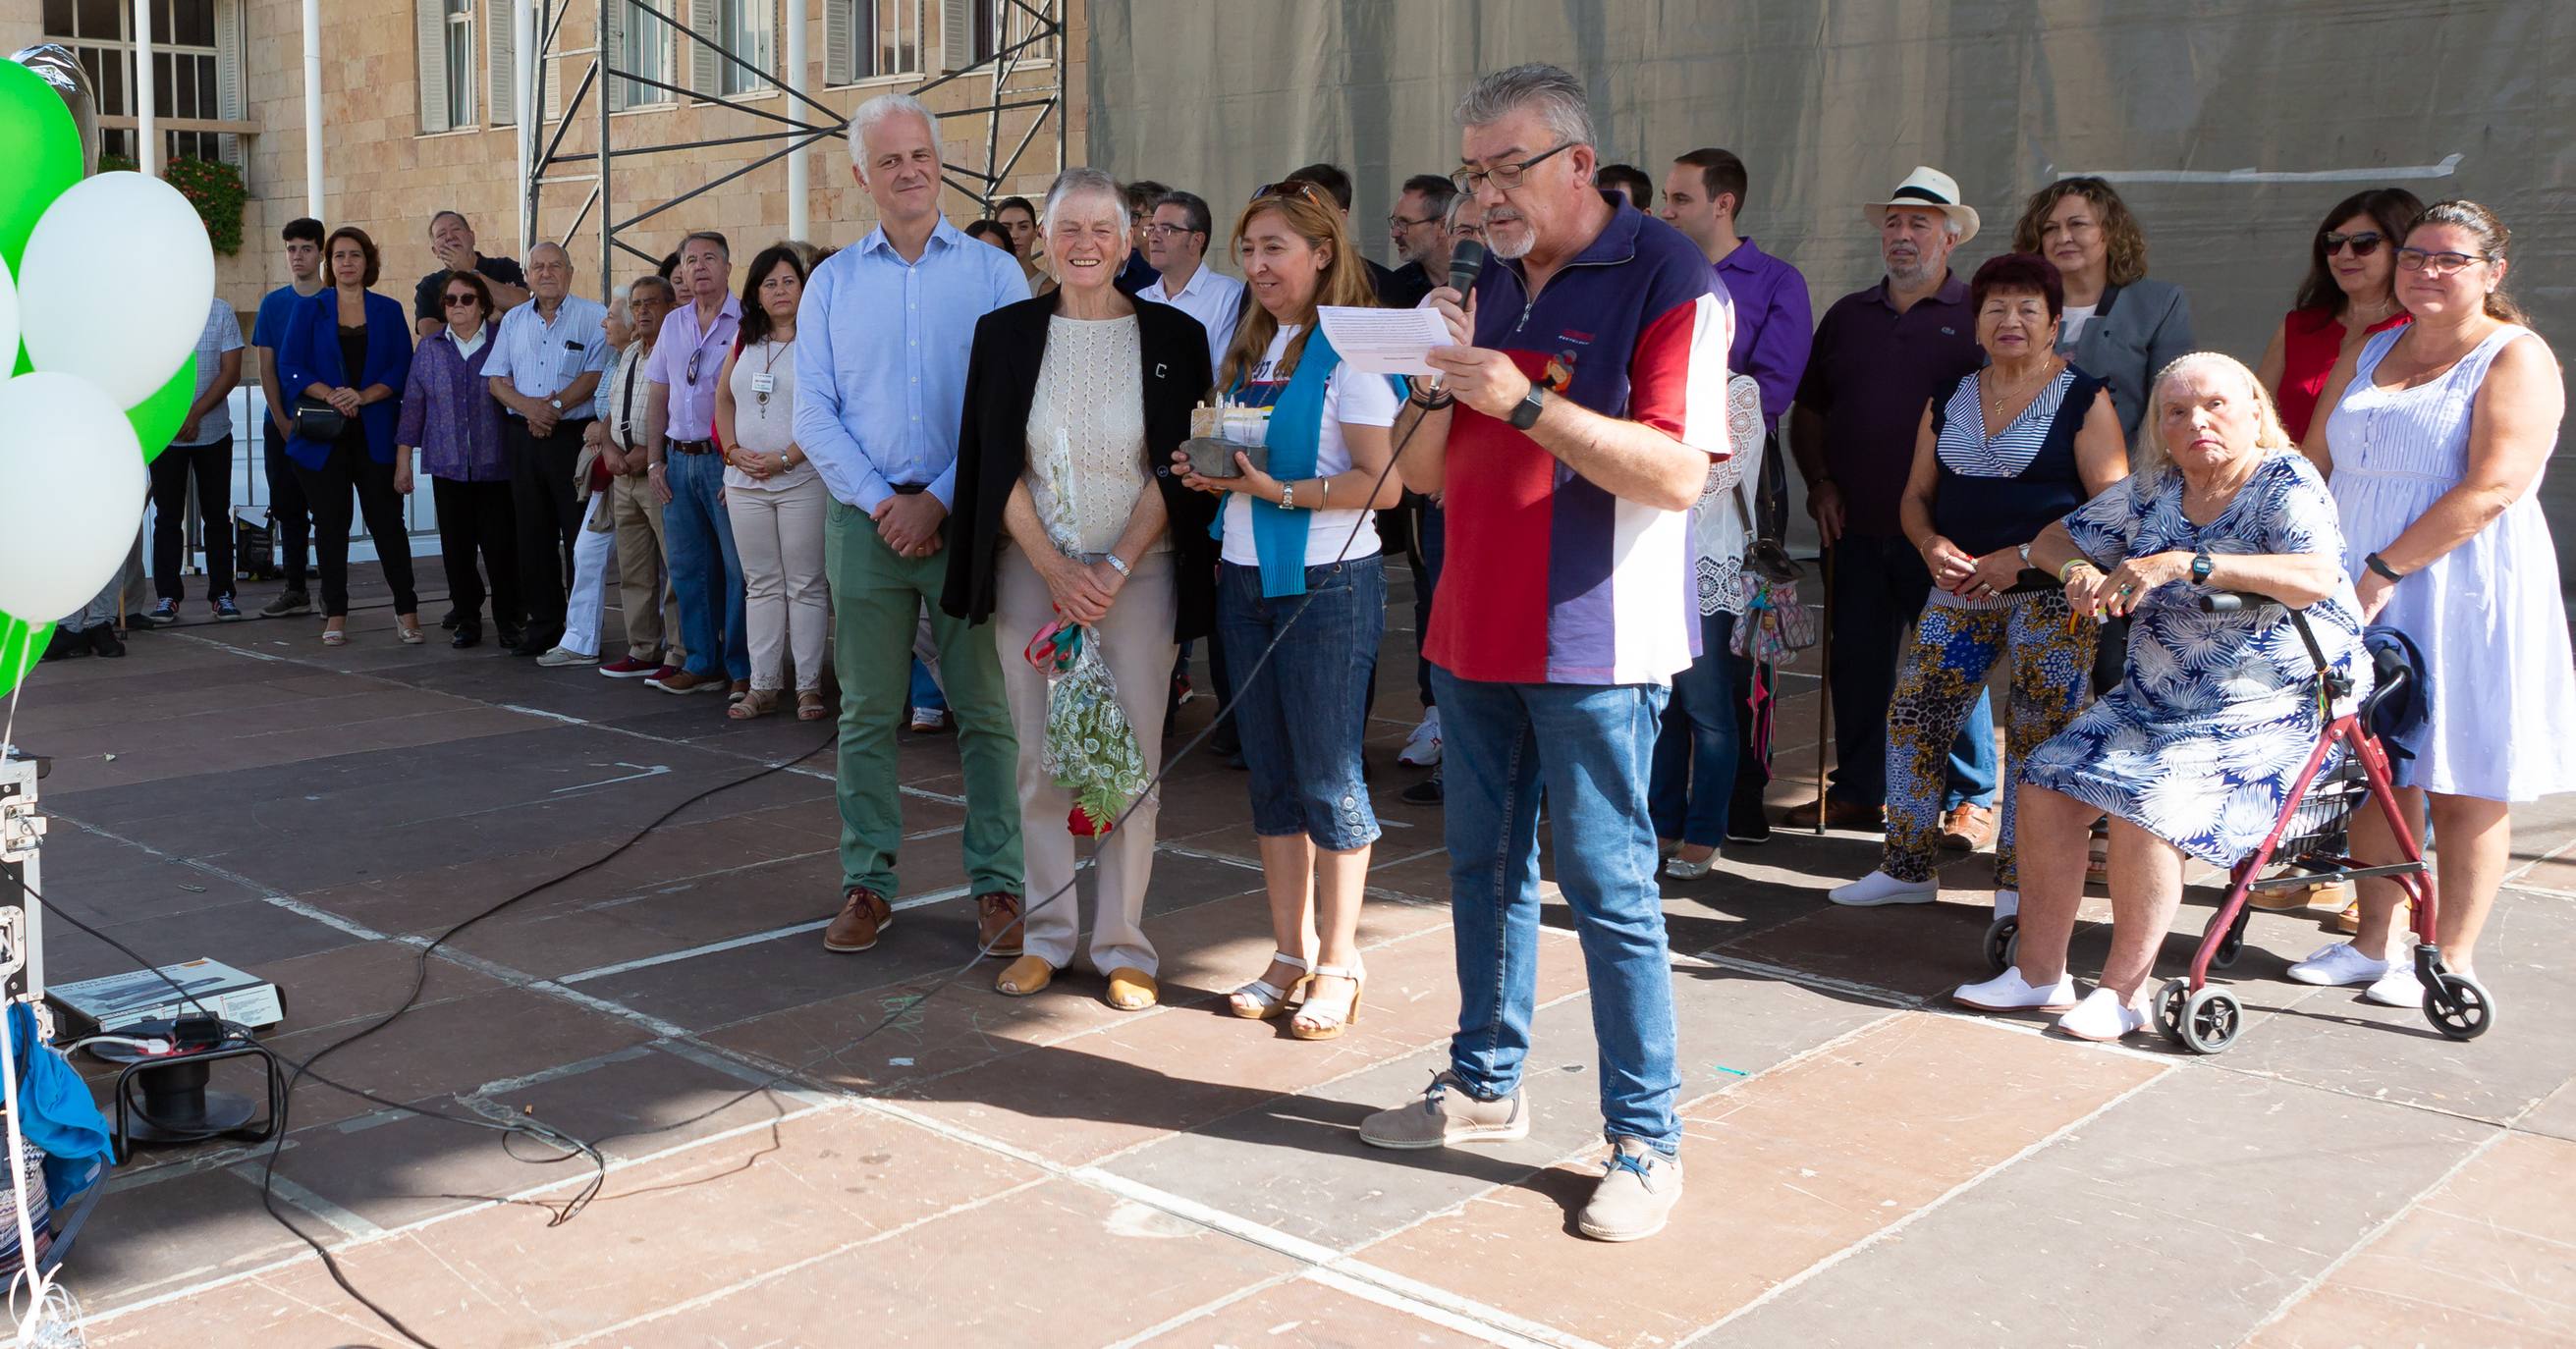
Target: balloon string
[26,643]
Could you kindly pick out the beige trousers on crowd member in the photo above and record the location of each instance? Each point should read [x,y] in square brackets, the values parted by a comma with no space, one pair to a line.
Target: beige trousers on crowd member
[786,603]
[644,571]
[1136,639]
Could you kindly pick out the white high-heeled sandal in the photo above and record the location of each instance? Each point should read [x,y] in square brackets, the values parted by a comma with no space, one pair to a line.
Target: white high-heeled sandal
[1260,1000]
[1319,1018]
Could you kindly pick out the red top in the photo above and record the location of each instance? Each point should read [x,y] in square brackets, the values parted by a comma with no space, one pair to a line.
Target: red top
[2310,341]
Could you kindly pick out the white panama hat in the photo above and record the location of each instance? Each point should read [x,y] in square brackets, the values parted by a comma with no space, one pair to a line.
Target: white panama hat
[1927,187]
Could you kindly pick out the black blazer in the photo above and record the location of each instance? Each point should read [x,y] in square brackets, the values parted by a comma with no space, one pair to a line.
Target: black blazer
[992,450]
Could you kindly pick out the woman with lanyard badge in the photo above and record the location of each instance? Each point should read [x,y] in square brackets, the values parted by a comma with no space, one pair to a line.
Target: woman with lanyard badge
[1298,544]
[774,496]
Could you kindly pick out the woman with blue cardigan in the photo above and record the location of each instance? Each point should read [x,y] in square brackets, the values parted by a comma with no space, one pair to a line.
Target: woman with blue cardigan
[1298,545]
[348,352]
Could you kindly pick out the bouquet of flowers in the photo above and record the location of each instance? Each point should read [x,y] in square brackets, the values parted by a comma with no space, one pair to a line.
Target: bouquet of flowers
[1090,749]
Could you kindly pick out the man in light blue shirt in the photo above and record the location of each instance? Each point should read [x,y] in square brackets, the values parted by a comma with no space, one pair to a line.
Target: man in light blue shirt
[883,336]
[545,364]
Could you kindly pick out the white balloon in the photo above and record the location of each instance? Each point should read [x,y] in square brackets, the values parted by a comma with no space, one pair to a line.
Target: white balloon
[72,484]
[8,322]
[115,283]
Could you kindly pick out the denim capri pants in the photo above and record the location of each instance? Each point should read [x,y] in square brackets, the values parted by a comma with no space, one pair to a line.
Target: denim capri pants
[1302,716]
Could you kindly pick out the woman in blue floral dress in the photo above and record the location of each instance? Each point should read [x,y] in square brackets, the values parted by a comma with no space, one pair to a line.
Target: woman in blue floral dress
[2194,752]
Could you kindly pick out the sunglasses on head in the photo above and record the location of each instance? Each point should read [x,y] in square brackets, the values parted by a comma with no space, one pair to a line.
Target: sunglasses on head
[2363,243]
[1287,187]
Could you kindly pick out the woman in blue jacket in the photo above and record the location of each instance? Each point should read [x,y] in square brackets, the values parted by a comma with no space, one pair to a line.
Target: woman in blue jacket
[348,351]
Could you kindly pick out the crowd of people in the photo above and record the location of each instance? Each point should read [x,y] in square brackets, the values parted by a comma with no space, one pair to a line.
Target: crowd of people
[906,467]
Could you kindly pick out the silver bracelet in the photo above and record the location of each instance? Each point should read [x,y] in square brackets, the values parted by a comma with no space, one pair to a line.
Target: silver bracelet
[1115,564]
[1287,496]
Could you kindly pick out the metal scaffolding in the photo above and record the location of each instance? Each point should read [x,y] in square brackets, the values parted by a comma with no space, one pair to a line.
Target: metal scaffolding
[1020,80]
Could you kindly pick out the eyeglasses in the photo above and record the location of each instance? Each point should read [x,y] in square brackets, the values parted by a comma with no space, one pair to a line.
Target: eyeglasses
[2417,260]
[2363,244]
[1161,231]
[1506,177]
[694,358]
[1403,222]
[465,298]
[1285,187]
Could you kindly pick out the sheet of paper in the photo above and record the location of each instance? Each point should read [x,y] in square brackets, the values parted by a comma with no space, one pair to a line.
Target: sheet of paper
[1384,341]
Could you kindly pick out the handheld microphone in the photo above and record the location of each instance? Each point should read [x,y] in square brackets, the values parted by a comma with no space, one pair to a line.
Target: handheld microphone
[1465,260]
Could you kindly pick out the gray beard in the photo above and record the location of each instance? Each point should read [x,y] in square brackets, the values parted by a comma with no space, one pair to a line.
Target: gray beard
[1915,276]
[1513,251]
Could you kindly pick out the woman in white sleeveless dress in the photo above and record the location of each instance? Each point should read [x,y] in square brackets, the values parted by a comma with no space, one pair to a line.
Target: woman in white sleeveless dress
[2434,446]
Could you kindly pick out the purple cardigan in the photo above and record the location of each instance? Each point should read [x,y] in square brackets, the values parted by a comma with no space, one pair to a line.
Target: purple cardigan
[449,413]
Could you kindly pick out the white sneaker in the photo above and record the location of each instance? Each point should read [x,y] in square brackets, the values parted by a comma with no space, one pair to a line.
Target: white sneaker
[559,657]
[1422,748]
[2007,904]
[2398,987]
[2101,1017]
[1878,888]
[2009,992]
[929,720]
[2340,964]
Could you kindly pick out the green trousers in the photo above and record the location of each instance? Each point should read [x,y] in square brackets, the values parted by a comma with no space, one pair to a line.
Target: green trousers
[876,603]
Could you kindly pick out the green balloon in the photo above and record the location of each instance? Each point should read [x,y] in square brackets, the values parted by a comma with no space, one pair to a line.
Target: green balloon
[156,419]
[44,150]
[21,644]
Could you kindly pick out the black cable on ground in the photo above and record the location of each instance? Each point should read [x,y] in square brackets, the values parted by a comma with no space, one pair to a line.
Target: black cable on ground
[571,1146]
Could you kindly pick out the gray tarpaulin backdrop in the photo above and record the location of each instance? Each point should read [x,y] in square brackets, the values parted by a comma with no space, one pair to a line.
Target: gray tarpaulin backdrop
[2230,126]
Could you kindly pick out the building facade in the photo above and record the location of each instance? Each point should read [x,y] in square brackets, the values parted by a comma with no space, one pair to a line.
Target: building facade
[419,116]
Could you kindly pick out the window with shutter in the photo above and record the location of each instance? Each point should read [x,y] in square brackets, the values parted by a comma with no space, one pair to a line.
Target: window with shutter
[228,84]
[956,34]
[429,22]
[501,43]
[639,47]
[840,41]
[706,69]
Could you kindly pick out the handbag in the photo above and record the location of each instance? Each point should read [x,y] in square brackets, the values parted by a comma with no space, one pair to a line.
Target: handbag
[1775,625]
[318,420]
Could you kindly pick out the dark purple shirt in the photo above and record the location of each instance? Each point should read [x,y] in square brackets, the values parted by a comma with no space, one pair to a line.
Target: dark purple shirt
[1870,375]
[1773,325]
[448,412]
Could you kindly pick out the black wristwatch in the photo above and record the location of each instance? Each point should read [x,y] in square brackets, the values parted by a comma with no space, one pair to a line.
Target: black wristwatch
[1525,413]
[2380,564]
[2200,567]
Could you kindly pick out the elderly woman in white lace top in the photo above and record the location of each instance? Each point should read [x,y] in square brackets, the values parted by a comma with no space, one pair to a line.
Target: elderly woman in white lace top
[1072,399]
[1693,780]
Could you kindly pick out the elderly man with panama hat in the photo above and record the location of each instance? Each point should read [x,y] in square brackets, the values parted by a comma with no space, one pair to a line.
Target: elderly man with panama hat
[1879,356]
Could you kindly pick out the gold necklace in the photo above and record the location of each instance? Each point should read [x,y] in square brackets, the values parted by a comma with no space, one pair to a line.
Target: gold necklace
[2047,371]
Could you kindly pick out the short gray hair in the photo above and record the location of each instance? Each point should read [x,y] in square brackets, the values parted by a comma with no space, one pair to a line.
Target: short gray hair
[670,293]
[1076,182]
[1553,90]
[878,109]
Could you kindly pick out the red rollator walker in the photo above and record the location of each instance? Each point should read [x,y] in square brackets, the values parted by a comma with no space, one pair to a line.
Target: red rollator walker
[2311,828]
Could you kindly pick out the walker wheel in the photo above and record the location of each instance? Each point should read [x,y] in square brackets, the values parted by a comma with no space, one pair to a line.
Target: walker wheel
[2210,1019]
[2233,944]
[2168,1007]
[2458,1006]
[2003,942]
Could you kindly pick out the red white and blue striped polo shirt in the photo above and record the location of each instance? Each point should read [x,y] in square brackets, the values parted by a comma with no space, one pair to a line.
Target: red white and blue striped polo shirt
[1549,579]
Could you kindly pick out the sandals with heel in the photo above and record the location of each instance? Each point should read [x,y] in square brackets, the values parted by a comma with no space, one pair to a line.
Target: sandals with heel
[1261,1000]
[1319,1017]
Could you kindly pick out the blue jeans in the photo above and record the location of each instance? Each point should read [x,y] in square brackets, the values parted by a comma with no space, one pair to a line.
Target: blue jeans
[706,573]
[1879,587]
[1430,548]
[1585,746]
[926,696]
[1695,751]
[1300,715]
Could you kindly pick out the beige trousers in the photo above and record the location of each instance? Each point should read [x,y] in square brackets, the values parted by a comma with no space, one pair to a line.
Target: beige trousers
[644,571]
[1136,639]
[786,603]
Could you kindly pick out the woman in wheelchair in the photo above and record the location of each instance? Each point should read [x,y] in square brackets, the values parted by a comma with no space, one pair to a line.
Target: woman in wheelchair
[2195,751]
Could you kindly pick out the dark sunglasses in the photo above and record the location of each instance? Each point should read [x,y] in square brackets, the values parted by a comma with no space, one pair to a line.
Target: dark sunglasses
[2363,244]
[464,298]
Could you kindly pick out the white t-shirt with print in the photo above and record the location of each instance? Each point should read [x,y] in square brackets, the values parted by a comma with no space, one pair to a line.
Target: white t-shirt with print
[1350,398]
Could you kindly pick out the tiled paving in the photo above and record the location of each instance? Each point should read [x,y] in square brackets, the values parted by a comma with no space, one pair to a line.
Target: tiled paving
[807,1149]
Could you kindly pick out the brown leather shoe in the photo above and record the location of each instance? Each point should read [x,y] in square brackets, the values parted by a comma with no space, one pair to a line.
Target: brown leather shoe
[997,923]
[1968,827]
[864,914]
[1839,814]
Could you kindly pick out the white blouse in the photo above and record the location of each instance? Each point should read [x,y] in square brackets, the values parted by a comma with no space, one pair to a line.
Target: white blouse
[766,423]
[1086,437]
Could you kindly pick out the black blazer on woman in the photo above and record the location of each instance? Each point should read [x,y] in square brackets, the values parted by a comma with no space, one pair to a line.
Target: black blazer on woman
[992,449]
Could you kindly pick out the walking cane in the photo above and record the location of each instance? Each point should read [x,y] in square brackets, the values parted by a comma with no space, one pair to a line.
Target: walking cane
[1825,693]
